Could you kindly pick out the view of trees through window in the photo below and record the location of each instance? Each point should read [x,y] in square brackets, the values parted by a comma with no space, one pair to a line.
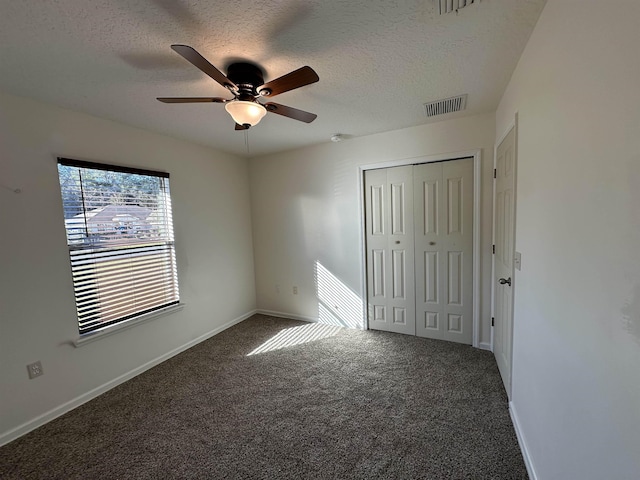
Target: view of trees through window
[107,206]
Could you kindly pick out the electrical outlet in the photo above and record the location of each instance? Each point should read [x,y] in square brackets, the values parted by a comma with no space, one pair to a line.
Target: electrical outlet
[295,290]
[35,369]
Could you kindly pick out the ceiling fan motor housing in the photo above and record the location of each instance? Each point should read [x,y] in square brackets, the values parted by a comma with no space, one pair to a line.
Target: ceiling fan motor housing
[247,77]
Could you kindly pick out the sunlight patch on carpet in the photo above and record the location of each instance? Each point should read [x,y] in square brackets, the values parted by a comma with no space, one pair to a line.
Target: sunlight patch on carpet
[297,336]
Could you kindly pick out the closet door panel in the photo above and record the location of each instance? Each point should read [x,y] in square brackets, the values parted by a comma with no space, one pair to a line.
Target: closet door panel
[390,249]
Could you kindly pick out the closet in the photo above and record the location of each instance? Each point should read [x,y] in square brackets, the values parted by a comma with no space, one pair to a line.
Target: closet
[419,241]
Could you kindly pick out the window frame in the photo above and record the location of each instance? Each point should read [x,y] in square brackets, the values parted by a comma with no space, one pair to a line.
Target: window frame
[165,242]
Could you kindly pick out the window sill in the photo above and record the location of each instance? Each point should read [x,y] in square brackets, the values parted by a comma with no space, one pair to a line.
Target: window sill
[110,330]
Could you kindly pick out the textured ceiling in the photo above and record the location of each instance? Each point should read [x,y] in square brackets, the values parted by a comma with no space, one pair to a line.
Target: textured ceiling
[378,61]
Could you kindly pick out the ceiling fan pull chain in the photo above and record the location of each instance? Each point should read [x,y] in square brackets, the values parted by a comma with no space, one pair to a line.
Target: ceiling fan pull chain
[246,139]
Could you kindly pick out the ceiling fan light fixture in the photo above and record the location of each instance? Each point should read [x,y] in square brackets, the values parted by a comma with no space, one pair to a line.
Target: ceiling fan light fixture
[245,113]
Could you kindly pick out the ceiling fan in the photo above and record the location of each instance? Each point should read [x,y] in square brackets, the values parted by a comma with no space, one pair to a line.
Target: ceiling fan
[245,81]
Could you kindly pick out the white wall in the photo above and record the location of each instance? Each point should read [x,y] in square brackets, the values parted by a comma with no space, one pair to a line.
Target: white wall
[306,209]
[576,365]
[210,195]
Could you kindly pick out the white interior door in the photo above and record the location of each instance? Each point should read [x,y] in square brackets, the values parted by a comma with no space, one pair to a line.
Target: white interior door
[443,203]
[504,255]
[390,249]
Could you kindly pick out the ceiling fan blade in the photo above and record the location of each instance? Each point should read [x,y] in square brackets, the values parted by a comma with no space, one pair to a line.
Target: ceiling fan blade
[192,99]
[296,79]
[189,54]
[241,127]
[290,112]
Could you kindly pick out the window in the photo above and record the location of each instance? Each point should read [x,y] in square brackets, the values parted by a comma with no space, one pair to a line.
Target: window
[120,237]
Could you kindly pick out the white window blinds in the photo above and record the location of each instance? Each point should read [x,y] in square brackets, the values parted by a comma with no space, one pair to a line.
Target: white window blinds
[120,236]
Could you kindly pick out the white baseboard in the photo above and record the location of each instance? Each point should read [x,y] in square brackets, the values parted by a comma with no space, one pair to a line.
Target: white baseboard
[522,442]
[291,316]
[484,346]
[91,394]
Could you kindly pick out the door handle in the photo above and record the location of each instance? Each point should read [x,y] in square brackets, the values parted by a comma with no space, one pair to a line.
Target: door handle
[502,281]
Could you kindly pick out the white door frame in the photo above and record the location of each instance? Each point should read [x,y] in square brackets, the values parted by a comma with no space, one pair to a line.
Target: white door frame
[477,174]
[511,126]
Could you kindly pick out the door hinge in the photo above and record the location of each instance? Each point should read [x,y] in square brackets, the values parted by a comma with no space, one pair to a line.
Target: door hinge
[493,321]
[495,173]
[493,249]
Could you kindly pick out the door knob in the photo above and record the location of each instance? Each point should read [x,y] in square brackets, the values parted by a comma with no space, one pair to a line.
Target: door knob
[502,281]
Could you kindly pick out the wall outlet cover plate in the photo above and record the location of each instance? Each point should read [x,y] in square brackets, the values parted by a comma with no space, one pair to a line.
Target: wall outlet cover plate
[35,369]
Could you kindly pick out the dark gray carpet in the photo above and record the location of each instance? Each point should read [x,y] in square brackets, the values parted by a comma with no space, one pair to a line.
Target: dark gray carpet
[360,404]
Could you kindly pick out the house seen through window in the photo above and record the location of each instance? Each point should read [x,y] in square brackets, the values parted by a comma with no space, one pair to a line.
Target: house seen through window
[120,237]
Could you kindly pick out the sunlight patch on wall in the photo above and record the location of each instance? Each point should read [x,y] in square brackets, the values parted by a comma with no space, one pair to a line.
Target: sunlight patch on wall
[337,303]
[297,336]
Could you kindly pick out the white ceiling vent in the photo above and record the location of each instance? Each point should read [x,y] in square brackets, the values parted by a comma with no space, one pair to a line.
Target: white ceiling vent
[448,6]
[448,105]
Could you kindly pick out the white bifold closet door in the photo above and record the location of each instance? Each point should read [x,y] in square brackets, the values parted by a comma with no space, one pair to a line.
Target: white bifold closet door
[390,249]
[436,203]
[443,194]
